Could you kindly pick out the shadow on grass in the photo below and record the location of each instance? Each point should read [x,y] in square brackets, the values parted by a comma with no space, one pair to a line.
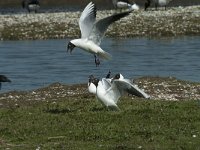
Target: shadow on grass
[97,109]
[59,110]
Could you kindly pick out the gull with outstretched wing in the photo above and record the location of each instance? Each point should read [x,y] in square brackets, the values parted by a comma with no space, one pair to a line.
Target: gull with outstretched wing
[108,91]
[92,32]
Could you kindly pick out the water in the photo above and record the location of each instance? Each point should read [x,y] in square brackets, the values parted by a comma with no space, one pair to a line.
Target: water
[38,63]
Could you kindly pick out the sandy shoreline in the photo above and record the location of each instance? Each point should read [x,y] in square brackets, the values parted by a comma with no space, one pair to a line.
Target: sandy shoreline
[176,21]
[159,88]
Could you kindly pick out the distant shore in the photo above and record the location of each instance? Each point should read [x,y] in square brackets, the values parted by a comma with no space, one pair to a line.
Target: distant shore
[100,3]
[176,21]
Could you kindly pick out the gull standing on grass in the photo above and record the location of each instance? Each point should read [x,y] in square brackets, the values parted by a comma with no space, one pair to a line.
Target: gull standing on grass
[92,32]
[109,91]
[91,86]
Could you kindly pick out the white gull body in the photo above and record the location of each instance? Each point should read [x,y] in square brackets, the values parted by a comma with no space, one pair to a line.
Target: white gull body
[91,86]
[108,91]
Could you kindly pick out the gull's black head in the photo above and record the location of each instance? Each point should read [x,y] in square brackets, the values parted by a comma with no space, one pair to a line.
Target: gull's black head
[108,75]
[70,47]
[91,78]
[95,81]
[117,76]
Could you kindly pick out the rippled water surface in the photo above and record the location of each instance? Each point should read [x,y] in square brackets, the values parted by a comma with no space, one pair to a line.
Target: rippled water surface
[34,64]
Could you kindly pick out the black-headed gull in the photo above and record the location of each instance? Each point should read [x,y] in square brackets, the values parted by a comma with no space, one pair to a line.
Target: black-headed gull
[125,4]
[31,5]
[92,80]
[92,32]
[3,79]
[157,3]
[91,84]
[108,91]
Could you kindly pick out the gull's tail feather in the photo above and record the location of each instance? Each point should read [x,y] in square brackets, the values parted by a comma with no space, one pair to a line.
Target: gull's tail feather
[104,55]
[113,108]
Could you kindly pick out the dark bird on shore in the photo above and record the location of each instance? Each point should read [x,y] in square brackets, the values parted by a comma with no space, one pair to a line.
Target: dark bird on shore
[147,4]
[31,5]
[3,79]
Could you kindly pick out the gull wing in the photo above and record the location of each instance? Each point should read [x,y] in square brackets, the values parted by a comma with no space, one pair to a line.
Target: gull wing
[113,92]
[87,19]
[101,26]
[106,83]
[125,85]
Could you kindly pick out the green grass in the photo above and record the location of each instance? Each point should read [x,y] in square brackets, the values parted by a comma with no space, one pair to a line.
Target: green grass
[82,123]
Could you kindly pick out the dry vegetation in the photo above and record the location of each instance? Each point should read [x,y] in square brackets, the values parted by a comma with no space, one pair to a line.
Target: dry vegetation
[175,21]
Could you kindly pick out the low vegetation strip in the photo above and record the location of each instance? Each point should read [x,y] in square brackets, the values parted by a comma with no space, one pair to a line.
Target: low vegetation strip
[68,117]
[175,21]
[82,123]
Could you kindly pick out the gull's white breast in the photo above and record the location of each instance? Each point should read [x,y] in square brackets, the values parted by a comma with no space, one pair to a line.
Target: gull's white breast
[92,88]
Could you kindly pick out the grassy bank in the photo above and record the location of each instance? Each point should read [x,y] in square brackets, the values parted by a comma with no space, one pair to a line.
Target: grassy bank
[81,123]
[68,117]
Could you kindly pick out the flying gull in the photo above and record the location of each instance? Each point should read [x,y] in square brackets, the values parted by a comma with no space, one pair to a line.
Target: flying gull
[92,32]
